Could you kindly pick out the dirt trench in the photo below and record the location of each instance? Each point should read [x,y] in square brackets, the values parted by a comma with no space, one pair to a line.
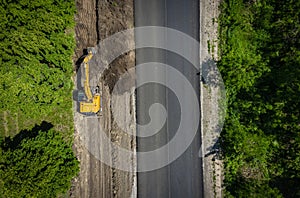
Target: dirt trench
[95,21]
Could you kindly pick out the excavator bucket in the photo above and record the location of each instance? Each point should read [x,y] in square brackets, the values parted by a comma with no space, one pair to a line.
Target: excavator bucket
[91,50]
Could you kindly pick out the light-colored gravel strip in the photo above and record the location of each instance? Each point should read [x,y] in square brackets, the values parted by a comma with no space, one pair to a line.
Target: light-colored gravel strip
[212,93]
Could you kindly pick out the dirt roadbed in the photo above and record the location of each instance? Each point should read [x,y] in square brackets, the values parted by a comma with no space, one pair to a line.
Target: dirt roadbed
[95,21]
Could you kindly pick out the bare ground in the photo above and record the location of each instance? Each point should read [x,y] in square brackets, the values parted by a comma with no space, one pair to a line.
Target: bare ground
[212,99]
[95,21]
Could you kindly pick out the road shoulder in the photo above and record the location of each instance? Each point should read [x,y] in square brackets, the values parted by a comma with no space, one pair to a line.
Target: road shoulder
[212,98]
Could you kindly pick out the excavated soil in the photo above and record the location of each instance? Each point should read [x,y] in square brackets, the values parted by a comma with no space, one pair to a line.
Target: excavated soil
[95,21]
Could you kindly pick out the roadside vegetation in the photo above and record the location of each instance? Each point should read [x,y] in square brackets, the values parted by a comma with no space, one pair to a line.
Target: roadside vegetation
[260,65]
[37,44]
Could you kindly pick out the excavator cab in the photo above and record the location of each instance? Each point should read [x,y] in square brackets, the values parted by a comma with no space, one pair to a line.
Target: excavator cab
[89,102]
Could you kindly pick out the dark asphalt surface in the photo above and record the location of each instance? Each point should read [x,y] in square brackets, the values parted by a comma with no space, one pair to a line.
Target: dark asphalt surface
[183,177]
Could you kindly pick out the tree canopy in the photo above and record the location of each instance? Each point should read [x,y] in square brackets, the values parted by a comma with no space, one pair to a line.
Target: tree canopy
[36,163]
[260,65]
[37,44]
[36,47]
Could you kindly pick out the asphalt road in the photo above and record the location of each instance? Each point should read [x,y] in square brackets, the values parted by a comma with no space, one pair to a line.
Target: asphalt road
[183,177]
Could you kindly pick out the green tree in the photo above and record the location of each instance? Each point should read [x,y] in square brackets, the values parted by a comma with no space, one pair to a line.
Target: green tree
[36,164]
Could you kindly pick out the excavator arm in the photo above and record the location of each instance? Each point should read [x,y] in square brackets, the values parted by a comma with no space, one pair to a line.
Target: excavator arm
[87,88]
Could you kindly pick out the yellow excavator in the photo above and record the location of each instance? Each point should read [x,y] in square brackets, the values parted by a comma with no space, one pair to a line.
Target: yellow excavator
[92,103]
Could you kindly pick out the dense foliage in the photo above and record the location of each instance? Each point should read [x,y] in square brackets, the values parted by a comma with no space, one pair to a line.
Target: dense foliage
[36,47]
[260,65]
[37,43]
[36,164]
